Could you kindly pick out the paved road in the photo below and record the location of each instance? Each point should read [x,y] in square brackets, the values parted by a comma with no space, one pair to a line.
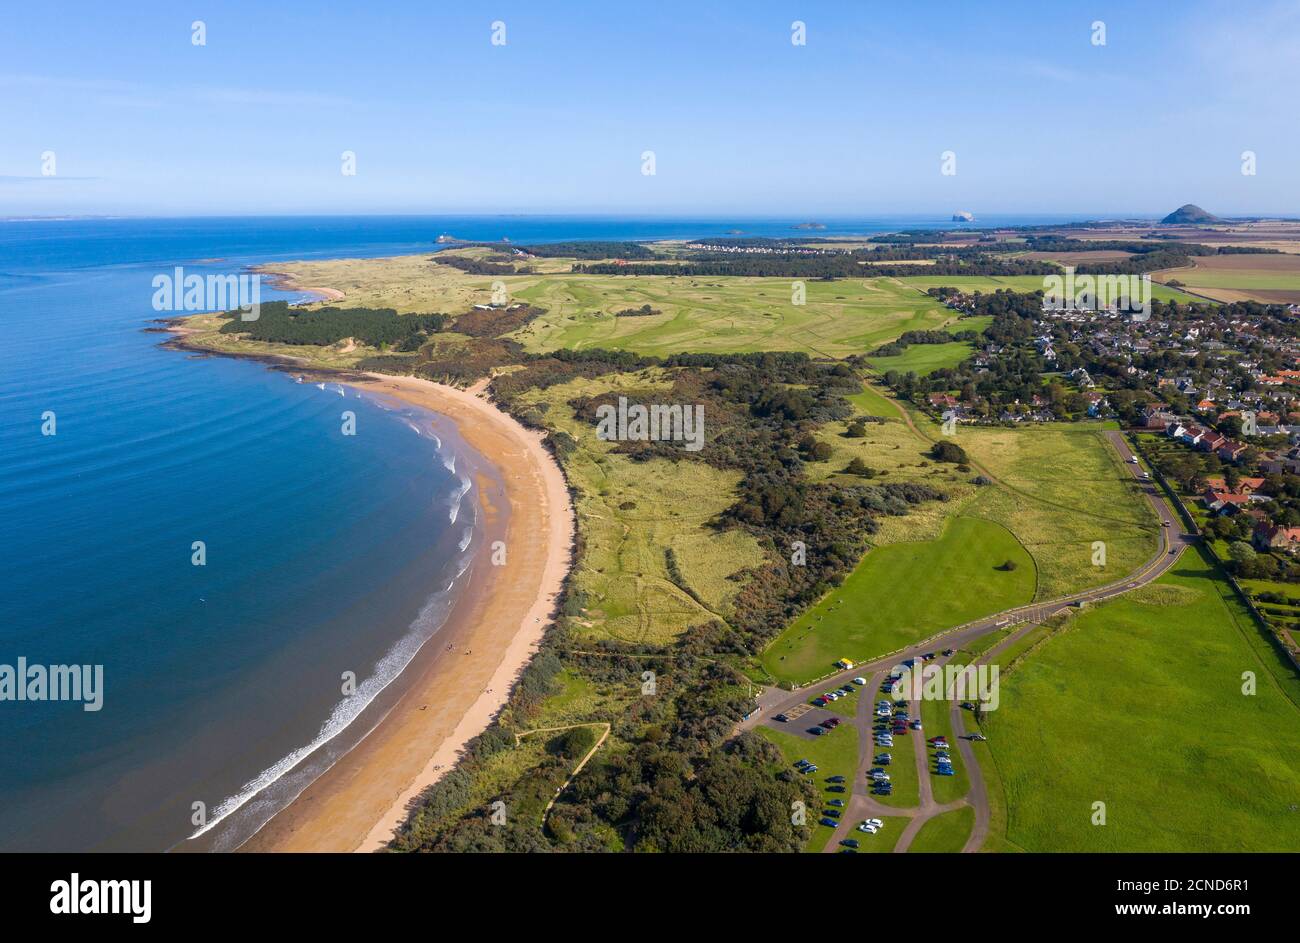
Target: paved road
[1174,539]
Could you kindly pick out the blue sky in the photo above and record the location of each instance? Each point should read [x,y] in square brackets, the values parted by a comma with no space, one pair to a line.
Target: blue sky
[141,121]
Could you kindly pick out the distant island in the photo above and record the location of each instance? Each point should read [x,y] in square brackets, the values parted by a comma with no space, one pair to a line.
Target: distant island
[1190,213]
[963,216]
[809,226]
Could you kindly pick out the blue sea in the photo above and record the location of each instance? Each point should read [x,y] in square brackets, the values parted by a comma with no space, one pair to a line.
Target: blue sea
[327,555]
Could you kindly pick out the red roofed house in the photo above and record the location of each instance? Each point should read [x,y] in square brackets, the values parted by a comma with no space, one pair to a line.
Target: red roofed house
[1271,537]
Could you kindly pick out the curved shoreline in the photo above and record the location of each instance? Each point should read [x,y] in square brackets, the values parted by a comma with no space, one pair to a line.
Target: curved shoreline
[469,670]
[360,802]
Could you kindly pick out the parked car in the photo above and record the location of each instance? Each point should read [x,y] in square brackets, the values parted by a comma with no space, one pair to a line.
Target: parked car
[869,829]
[829,823]
[782,718]
[835,779]
[859,680]
[837,803]
[948,651]
[835,789]
[816,731]
[850,843]
[977,737]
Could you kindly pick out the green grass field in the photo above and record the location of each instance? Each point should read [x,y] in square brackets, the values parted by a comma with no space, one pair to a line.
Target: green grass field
[1139,704]
[884,840]
[704,314]
[945,833]
[875,612]
[835,754]
[924,359]
[934,717]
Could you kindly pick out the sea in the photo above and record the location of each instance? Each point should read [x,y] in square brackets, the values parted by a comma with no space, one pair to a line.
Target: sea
[250,579]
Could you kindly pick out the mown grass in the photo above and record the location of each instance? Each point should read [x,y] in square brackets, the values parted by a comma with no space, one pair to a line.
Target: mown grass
[936,721]
[835,754]
[924,359]
[884,840]
[873,613]
[721,314]
[1139,704]
[946,832]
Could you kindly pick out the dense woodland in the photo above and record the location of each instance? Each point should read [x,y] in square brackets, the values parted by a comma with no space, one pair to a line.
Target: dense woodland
[279,323]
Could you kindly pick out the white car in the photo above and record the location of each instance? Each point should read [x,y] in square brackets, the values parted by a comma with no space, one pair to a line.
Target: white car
[1132,459]
[859,680]
[868,828]
[883,712]
[878,823]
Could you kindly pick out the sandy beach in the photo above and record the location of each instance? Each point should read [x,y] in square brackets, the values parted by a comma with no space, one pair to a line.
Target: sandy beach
[468,668]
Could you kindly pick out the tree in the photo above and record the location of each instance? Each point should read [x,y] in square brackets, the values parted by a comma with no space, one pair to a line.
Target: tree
[945,451]
[857,430]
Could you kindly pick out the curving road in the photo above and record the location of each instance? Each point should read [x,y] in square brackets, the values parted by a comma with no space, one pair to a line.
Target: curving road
[1174,539]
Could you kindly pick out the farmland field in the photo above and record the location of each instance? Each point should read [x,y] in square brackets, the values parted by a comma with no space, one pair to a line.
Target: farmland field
[988,283]
[1267,278]
[1139,704]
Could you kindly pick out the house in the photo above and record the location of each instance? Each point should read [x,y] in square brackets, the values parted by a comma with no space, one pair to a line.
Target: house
[1212,441]
[1231,451]
[1244,485]
[1272,537]
[942,400]
[1192,434]
[1224,502]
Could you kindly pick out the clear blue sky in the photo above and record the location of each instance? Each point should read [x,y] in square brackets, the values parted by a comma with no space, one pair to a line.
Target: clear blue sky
[741,121]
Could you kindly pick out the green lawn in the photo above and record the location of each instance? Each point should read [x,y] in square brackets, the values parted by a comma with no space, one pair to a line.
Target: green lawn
[835,754]
[902,771]
[884,840]
[934,718]
[881,605]
[721,314]
[945,833]
[1139,705]
[924,359]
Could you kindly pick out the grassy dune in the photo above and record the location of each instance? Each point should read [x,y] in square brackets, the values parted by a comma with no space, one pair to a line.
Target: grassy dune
[1139,704]
[630,513]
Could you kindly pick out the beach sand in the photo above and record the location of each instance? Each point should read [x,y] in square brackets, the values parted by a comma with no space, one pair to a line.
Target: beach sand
[466,677]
